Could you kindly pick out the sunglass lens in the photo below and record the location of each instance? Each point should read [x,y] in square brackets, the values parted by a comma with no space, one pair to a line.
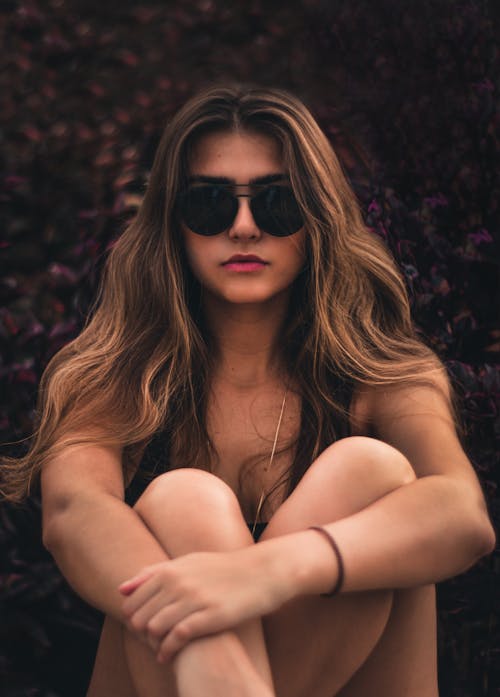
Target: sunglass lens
[207,210]
[276,211]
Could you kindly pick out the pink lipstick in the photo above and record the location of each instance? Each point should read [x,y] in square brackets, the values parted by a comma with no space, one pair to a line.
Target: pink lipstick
[245,263]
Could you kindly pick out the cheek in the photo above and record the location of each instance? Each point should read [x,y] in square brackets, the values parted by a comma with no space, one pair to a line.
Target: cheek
[297,253]
[190,255]
[197,253]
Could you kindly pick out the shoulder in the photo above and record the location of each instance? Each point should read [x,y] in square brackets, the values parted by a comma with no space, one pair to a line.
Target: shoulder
[417,419]
[382,407]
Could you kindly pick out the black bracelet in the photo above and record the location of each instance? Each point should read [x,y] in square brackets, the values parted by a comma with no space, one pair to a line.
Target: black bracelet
[340,561]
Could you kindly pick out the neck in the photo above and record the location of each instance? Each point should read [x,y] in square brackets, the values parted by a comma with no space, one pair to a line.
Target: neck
[247,339]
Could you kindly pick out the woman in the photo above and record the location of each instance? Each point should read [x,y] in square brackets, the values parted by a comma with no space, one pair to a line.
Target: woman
[250,366]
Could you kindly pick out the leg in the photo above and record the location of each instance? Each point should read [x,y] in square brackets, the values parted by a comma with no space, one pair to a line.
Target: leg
[111,676]
[188,510]
[348,632]
[317,670]
[404,662]
[191,510]
[353,633]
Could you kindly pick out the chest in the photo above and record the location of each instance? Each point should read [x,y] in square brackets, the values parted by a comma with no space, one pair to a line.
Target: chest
[243,430]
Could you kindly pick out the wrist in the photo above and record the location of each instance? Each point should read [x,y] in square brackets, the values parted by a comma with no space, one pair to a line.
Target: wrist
[304,561]
[338,556]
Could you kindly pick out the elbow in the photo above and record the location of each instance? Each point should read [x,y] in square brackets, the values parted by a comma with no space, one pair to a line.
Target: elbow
[469,515]
[486,537]
[51,534]
[54,523]
[481,534]
[60,513]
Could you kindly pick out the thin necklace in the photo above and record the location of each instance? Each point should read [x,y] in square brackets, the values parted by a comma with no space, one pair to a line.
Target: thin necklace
[270,460]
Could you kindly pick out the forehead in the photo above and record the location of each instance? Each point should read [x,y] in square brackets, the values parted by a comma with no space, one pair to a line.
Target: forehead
[240,156]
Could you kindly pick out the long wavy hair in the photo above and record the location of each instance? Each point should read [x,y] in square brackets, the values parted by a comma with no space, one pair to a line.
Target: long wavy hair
[144,360]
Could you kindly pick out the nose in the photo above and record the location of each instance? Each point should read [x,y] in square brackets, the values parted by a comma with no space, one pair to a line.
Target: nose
[244,225]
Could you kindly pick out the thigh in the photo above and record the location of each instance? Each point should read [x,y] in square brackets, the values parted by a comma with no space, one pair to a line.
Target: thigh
[404,662]
[315,645]
[355,645]
[111,676]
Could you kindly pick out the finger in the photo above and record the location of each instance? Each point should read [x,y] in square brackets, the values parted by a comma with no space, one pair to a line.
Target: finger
[165,620]
[140,596]
[131,584]
[195,625]
[127,589]
[138,622]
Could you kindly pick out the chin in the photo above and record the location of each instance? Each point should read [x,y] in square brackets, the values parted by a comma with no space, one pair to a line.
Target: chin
[247,296]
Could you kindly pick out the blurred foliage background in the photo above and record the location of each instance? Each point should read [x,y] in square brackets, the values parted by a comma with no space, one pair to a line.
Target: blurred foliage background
[407,92]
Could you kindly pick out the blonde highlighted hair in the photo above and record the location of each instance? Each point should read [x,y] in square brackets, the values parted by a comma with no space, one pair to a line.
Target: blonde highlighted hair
[143,361]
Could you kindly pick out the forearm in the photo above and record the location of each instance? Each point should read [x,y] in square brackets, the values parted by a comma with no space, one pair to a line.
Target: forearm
[97,544]
[418,534]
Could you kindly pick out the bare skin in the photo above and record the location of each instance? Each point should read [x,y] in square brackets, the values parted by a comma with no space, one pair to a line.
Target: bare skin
[348,629]
[401,527]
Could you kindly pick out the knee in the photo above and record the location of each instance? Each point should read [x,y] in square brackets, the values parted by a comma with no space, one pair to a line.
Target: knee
[365,462]
[186,489]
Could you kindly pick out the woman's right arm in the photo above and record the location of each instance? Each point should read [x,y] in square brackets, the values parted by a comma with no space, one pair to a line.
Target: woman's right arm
[96,539]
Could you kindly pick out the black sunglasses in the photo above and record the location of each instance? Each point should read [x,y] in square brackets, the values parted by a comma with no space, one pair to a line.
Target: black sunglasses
[209,209]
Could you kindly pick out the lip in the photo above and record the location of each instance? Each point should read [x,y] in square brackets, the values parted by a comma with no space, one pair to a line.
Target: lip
[244,263]
[244,258]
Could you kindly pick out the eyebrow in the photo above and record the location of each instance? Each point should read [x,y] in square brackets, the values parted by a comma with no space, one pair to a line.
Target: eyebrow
[268,179]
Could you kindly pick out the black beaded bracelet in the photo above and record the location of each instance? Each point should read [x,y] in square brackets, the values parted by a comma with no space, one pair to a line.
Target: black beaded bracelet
[340,562]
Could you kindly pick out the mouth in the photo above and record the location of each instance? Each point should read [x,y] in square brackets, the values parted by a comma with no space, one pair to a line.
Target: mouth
[244,263]
[244,259]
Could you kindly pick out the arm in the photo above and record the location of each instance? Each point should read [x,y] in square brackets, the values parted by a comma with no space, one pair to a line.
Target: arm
[95,538]
[423,532]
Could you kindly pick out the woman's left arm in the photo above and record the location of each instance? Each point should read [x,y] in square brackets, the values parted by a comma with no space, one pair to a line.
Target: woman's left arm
[423,532]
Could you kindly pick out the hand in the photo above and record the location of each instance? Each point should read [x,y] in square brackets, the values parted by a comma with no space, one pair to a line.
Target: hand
[202,593]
